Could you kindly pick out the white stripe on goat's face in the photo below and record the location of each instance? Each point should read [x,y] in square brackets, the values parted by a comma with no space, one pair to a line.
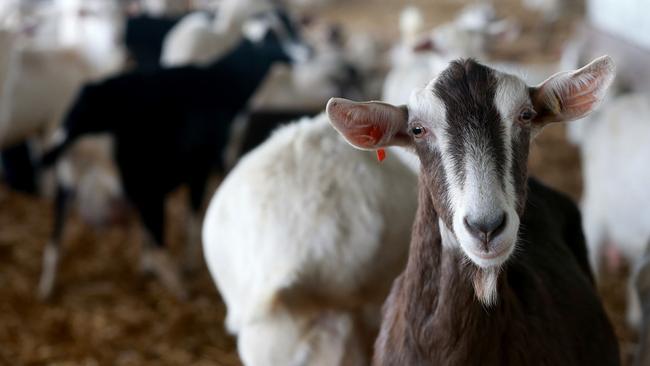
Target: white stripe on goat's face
[475,150]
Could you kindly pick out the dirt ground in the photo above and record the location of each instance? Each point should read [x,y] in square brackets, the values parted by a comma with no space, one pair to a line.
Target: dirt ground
[106,313]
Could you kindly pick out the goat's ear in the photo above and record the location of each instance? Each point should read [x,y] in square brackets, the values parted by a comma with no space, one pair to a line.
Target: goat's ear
[369,125]
[568,96]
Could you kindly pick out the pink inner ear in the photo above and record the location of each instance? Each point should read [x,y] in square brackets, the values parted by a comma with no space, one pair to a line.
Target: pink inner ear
[570,96]
[366,135]
[360,130]
[367,125]
[583,95]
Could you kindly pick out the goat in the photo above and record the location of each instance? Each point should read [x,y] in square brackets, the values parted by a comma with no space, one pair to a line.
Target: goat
[329,68]
[168,127]
[144,37]
[95,29]
[615,148]
[37,87]
[466,36]
[306,285]
[288,92]
[497,272]
[42,70]
[200,38]
[193,41]
[590,41]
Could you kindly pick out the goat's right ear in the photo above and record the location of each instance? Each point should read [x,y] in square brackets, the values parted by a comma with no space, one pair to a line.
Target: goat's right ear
[369,125]
[568,96]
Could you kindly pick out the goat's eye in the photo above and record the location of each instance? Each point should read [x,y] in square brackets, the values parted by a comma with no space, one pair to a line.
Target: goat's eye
[526,115]
[418,131]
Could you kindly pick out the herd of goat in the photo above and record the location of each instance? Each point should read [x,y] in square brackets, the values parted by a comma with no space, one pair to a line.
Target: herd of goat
[445,253]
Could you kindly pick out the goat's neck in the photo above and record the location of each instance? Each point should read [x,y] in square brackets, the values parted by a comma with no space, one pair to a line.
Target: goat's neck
[249,63]
[438,280]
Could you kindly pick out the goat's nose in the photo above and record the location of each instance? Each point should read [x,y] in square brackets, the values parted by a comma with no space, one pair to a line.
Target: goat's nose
[486,229]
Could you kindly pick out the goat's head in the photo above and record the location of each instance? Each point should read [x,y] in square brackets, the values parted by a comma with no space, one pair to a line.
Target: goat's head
[471,128]
[277,33]
[89,169]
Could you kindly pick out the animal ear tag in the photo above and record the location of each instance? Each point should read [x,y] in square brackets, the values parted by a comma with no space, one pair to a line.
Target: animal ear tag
[381,155]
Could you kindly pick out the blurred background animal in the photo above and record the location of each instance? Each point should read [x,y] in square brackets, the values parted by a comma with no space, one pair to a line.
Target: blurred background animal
[186,133]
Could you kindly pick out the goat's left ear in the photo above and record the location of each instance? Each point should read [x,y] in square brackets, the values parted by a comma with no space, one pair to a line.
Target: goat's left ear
[571,95]
[369,125]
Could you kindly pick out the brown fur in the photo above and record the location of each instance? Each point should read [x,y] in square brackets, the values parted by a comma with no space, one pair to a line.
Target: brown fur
[548,312]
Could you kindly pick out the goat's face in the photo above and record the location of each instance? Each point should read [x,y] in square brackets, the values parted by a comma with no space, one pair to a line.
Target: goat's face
[471,127]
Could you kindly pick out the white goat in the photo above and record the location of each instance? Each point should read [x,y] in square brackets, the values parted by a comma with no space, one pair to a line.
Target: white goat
[631,58]
[199,38]
[95,28]
[413,61]
[302,263]
[41,73]
[615,151]
[37,87]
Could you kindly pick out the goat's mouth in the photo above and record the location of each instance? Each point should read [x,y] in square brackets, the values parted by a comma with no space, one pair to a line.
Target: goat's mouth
[493,254]
[495,257]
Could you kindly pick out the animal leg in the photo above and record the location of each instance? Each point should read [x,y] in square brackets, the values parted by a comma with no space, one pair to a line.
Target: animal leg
[51,254]
[155,257]
[193,246]
[193,224]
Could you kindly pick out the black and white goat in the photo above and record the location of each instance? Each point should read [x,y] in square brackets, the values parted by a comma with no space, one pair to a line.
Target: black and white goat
[144,36]
[168,127]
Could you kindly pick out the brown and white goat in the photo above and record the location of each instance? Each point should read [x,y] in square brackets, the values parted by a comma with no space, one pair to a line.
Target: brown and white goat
[497,271]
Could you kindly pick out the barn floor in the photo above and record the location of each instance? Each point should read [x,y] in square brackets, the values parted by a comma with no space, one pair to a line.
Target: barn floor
[106,313]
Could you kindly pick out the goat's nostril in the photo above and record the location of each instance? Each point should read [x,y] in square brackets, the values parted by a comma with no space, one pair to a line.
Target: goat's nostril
[497,226]
[486,229]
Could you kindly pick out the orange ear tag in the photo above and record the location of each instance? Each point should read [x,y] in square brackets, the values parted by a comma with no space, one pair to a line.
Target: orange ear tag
[381,155]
